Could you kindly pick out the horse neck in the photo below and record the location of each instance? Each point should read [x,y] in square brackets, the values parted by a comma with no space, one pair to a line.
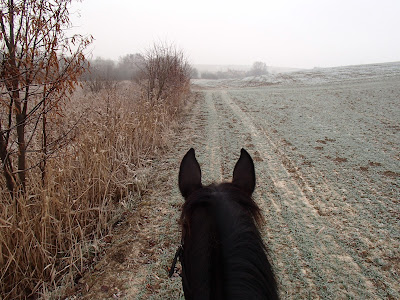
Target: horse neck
[225,249]
[202,269]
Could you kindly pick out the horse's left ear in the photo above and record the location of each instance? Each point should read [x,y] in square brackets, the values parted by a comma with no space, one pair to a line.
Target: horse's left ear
[189,174]
[244,176]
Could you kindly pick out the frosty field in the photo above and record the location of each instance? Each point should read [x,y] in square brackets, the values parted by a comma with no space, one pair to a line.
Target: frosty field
[327,158]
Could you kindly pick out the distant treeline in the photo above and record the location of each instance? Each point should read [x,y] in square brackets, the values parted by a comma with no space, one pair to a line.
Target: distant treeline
[126,68]
[258,68]
[129,67]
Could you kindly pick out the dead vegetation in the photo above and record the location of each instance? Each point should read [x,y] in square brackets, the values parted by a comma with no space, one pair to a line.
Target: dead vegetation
[101,168]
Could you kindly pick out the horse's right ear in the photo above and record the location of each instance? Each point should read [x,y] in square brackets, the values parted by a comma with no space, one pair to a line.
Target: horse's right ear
[244,176]
[189,174]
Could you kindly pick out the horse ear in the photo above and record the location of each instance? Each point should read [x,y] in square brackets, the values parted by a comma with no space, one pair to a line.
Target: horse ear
[189,174]
[244,176]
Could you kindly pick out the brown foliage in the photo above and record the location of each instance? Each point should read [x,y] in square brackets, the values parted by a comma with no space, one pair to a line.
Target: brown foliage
[39,69]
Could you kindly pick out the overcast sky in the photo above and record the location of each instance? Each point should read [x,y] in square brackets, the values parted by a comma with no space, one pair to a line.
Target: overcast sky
[283,33]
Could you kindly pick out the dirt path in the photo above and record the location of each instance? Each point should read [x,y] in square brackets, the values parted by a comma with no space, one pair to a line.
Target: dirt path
[327,167]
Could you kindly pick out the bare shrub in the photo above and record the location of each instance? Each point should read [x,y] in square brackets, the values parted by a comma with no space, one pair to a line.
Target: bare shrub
[165,74]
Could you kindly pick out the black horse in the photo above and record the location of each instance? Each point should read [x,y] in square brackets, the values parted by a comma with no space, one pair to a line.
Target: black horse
[222,253]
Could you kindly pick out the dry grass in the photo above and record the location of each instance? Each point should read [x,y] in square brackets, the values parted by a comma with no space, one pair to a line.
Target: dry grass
[50,236]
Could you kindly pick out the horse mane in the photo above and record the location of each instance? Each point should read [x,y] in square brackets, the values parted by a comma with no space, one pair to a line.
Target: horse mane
[232,221]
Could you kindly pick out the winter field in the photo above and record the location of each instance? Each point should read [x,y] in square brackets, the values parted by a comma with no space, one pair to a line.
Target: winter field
[326,147]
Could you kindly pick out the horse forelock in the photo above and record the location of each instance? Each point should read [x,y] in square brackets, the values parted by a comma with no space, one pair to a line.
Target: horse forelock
[226,194]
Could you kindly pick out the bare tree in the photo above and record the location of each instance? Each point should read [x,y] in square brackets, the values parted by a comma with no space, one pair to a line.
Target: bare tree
[40,67]
[194,73]
[259,68]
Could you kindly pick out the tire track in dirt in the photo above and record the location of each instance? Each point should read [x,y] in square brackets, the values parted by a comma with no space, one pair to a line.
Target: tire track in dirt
[240,136]
[321,251]
[302,271]
[212,171]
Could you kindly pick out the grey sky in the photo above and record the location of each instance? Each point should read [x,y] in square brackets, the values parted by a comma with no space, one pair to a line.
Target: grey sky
[285,33]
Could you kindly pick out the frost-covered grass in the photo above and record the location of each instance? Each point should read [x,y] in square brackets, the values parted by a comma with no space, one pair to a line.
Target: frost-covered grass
[327,160]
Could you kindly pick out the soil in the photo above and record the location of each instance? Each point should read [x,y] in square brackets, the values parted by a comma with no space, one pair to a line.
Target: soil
[327,165]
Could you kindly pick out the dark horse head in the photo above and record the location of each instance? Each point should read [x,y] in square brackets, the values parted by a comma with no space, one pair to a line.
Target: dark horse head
[223,255]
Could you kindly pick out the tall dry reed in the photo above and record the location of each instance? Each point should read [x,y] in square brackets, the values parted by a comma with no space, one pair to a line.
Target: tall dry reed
[48,236]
